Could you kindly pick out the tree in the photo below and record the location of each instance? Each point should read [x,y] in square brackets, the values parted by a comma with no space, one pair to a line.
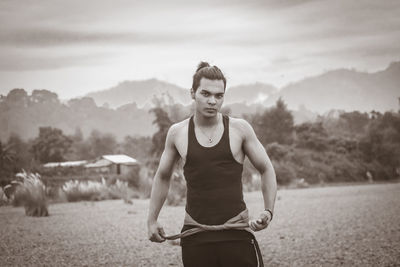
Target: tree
[163,123]
[355,121]
[311,136]
[137,147]
[44,96]
[381,142]
[17,97]
[7,158]
[274,124]
[51,145]
[20,148]
[101,144]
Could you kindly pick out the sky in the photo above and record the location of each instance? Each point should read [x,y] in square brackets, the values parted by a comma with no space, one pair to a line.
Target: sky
[75,47]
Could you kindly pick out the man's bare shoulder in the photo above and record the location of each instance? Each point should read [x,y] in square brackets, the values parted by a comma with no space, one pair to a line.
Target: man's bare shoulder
[177,129]
[241,126]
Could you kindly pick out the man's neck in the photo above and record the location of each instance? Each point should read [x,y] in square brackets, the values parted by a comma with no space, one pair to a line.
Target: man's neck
[203,121]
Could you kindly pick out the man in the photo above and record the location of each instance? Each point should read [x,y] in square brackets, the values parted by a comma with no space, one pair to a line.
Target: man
[213,147]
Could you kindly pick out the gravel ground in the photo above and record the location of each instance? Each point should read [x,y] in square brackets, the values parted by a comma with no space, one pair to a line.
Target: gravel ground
[342,225]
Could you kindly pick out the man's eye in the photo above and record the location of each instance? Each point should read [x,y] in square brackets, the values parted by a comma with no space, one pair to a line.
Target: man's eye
[220,96]
[205,94]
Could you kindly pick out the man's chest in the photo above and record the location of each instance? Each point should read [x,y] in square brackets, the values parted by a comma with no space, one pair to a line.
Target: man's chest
[235,144]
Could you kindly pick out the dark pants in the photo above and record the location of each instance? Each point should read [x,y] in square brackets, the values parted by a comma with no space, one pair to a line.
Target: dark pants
[221,254]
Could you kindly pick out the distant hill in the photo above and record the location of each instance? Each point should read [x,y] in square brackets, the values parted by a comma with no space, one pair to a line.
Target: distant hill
[337,89]
[345,89]
[23,114]
[249,93]
[139,92]
[129,102]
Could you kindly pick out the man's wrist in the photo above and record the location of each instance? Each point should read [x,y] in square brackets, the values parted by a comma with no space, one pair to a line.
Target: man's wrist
[151,221]
[271,213]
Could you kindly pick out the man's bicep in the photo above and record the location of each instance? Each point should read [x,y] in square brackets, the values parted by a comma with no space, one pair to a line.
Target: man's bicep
[168,158]
[254,150]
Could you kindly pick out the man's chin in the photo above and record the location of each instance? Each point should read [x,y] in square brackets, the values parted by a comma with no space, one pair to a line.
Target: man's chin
[210,114]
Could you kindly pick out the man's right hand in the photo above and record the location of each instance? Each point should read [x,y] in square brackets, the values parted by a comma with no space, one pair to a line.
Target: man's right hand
[155,232]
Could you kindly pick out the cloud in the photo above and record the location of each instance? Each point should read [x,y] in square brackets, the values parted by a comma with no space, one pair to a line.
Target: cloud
[14,61]
[269,41]
[57,37]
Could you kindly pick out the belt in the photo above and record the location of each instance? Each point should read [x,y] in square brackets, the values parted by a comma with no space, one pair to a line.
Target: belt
[240,221]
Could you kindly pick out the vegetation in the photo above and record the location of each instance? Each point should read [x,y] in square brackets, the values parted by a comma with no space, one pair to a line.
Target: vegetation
[337,147]
[31,193]
[75,190]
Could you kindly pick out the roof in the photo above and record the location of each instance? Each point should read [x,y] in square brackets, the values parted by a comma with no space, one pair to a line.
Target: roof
[98,164]
[121,159]
[65,164]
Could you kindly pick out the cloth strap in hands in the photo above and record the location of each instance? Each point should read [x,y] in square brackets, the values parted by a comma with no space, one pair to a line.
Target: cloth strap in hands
[240,221]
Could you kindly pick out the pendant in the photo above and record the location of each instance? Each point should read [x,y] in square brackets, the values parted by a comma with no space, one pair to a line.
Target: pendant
[210,140]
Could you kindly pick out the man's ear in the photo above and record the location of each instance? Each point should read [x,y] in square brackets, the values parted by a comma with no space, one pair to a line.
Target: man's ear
[192,93]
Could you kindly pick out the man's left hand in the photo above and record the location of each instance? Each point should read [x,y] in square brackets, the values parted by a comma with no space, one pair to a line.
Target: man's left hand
[262,222]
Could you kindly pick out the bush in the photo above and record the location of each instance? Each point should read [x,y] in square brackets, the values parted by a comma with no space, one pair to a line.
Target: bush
[3,197]
[284,172]
[277,151]
[75,190]
[85,190]
[177,192]
[31,193]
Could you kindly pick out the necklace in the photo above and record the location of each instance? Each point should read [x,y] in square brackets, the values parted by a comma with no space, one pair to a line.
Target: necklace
[210,138]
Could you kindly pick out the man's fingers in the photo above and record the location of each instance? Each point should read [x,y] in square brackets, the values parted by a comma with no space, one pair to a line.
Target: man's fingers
[254,225]
[257,225]
[156,237]
[161,232]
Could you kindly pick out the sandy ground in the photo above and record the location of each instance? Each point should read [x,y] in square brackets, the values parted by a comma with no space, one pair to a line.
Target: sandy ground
[355,225]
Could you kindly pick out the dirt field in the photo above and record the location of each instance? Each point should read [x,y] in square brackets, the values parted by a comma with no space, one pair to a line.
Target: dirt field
[355,225]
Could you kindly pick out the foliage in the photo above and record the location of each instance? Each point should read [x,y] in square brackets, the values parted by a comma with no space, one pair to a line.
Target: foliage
[274,124]
[22,156]
[137,147]
[177,191]
[31,193]
[311,136]
[51,145]
[101,144]
[381,143]
[7,157]
[163,123]
[277,151]
[355,121]
[284,172]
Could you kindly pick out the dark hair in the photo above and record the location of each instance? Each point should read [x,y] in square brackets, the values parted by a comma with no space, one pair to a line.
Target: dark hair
[204,70]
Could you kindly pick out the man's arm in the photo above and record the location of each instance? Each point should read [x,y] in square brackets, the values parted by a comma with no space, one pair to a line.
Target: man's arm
[160,187]
[257,155]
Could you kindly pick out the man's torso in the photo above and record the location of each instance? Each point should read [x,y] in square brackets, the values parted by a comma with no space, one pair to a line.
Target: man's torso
[236,138]
[221,171]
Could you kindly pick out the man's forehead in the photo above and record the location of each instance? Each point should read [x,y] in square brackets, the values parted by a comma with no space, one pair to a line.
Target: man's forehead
[208,84]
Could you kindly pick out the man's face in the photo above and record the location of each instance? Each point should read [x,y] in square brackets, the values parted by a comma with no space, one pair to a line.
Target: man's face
[209,97]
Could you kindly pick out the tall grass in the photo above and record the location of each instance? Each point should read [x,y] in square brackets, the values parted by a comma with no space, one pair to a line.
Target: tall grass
[75,190]
[31,193]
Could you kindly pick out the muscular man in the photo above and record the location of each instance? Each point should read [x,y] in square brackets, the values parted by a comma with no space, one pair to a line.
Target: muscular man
[213,147]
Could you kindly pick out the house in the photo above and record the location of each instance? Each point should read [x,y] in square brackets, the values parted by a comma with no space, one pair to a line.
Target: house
[65,164]
[113,164]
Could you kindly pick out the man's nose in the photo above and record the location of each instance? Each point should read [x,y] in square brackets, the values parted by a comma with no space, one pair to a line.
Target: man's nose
[212,100]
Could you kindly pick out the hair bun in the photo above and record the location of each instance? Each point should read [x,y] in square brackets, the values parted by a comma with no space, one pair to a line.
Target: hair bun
[202,64]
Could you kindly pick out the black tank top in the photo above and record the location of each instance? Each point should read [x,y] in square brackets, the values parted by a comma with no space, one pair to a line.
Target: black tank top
[214,187]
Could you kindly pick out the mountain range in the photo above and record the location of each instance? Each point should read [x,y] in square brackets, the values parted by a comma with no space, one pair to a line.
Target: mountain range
[337,89]
[125,109]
